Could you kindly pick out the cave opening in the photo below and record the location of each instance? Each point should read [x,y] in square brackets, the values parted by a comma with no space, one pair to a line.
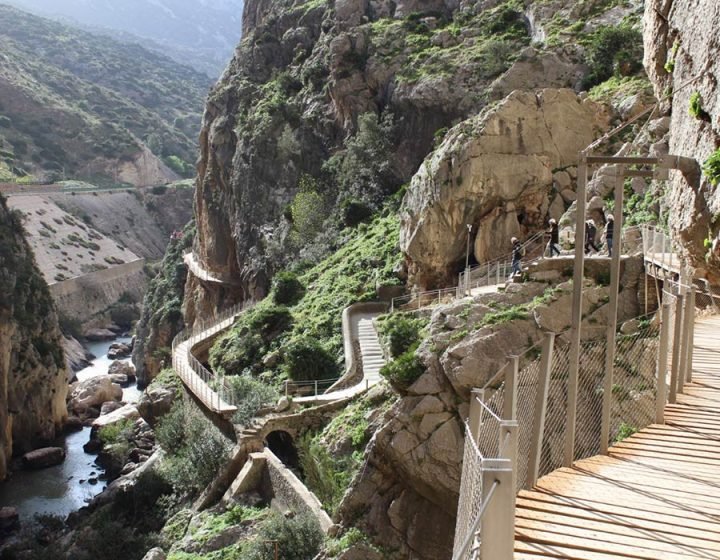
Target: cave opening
[282,445]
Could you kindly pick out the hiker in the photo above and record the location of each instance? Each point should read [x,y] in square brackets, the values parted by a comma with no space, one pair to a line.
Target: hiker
[554,243]
[590,232]
[517,251]
[609,232]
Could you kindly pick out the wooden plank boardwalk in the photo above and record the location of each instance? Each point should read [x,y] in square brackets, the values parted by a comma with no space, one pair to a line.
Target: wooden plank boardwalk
[655,497]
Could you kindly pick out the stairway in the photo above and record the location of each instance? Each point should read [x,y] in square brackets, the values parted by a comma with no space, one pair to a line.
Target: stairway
[370,351]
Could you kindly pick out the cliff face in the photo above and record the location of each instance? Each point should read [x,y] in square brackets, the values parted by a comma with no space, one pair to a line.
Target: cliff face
[33,382]
[681,59]
[305,72]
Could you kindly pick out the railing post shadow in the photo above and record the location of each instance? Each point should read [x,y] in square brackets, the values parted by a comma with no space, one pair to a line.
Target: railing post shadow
[475,416]
[677,342]
[685,353]
[662,365]
[541,398]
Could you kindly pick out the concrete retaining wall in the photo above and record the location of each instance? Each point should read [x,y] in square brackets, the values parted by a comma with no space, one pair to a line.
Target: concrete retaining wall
[85,296]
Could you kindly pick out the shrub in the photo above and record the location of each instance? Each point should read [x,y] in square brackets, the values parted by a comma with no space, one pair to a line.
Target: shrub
[250,395]
[403,371]
[695,108]
[613,50]
[287,289]
[400,333]
[196,449]
[299,538]
[306,359]
[624,432]
[355,212]
[711,168]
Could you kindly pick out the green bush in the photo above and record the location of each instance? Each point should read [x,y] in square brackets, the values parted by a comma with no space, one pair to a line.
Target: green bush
[403,371]
[711,168]
[299,538]
[355,212]
[286,288]
[400,332]
[306,359]
[250,395]
[196,450]
[613,50]
[695,108]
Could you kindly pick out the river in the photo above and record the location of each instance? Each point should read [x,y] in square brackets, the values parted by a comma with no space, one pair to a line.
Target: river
[64,488]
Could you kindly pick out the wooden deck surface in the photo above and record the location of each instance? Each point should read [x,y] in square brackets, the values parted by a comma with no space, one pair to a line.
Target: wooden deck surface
[656,496]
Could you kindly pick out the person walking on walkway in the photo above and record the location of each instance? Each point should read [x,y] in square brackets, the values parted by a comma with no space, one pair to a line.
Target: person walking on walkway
[554,243]
[609,232]
[590,233]
[517,251]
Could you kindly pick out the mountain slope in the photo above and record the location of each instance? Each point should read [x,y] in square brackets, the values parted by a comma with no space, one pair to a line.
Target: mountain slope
[87,106]
[202,34]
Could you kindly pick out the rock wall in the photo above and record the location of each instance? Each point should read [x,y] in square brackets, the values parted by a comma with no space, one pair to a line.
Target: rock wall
[33,380]
[682,58]
[500,172]
[88,298]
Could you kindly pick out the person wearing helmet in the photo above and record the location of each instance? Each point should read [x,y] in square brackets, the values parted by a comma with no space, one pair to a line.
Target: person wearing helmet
[590,233]
[516,256]
[554,244]
[609,232]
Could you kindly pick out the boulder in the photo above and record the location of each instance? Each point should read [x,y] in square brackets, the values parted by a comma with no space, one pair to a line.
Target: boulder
[93,393]
[43,458]
[9,520]
[73,424]
[108,407]
[121,367]
[495,173]
[121,379]
[119,350]
[155,402]
[98,335]
[127,412]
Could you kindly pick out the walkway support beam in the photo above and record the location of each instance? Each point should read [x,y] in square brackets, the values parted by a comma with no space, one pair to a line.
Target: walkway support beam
[578,281]
[612,315]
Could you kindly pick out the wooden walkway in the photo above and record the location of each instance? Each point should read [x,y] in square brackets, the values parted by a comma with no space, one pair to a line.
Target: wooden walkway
[655,497]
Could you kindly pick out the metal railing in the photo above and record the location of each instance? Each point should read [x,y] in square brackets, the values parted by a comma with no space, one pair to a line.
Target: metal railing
[418,300]
[211,389]
[653,357]
[307,388]
[194,265]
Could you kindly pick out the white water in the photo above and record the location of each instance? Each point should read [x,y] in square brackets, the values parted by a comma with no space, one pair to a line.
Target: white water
[64,488]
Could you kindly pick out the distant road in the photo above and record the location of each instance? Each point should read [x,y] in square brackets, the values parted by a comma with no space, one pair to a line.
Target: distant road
[15,189]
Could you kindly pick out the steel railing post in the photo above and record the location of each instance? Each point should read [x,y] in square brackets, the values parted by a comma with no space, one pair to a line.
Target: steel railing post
[497,532]
[677,343]
[543,389]
[662,365]
[578,281]
[690,334]
[685,352]
[612,318]
[511,387]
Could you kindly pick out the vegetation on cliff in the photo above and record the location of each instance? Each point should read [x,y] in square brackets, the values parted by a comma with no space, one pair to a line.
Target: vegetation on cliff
[81,105]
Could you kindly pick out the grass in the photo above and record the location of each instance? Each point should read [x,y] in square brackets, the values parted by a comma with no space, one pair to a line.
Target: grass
[617,87]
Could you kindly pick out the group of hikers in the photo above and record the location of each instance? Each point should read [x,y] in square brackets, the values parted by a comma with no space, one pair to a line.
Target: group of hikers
[553,245]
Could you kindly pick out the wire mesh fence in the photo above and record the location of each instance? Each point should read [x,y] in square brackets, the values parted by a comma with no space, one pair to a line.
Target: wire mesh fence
[553,442]
[470,493]
[527,394]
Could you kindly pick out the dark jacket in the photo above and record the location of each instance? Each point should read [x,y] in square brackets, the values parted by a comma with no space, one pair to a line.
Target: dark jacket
[554,234]
[516,251]
[609,227]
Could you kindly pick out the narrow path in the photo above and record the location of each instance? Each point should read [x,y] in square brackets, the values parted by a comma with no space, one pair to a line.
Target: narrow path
[656,496]
[198,271]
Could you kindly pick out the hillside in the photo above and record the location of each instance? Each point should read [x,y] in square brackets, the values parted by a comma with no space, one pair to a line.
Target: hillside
[85,106]
[199,34]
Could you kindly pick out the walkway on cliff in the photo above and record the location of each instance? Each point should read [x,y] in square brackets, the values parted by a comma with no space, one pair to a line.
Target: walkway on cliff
[656,495]
[196,268]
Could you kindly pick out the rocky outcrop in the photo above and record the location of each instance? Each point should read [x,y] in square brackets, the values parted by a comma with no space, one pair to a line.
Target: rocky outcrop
[33,378]
[43,458]
[92,393]
[681,56]
[406,493]
[495,173]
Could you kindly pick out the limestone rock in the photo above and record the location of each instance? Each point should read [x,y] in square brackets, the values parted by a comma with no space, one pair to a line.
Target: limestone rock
[9,520]
[495,173]
[94,392]
[43,458]
[118,350]
[121,367]
[155,402]
[122,414]
[98,335]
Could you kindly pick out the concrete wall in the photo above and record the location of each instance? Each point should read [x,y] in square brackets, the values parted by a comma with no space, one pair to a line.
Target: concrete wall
[85,296]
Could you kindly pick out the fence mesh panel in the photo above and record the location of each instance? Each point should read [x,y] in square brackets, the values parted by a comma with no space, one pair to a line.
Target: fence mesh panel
[634,387]
[551,455]
[470,493]
[526,401]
